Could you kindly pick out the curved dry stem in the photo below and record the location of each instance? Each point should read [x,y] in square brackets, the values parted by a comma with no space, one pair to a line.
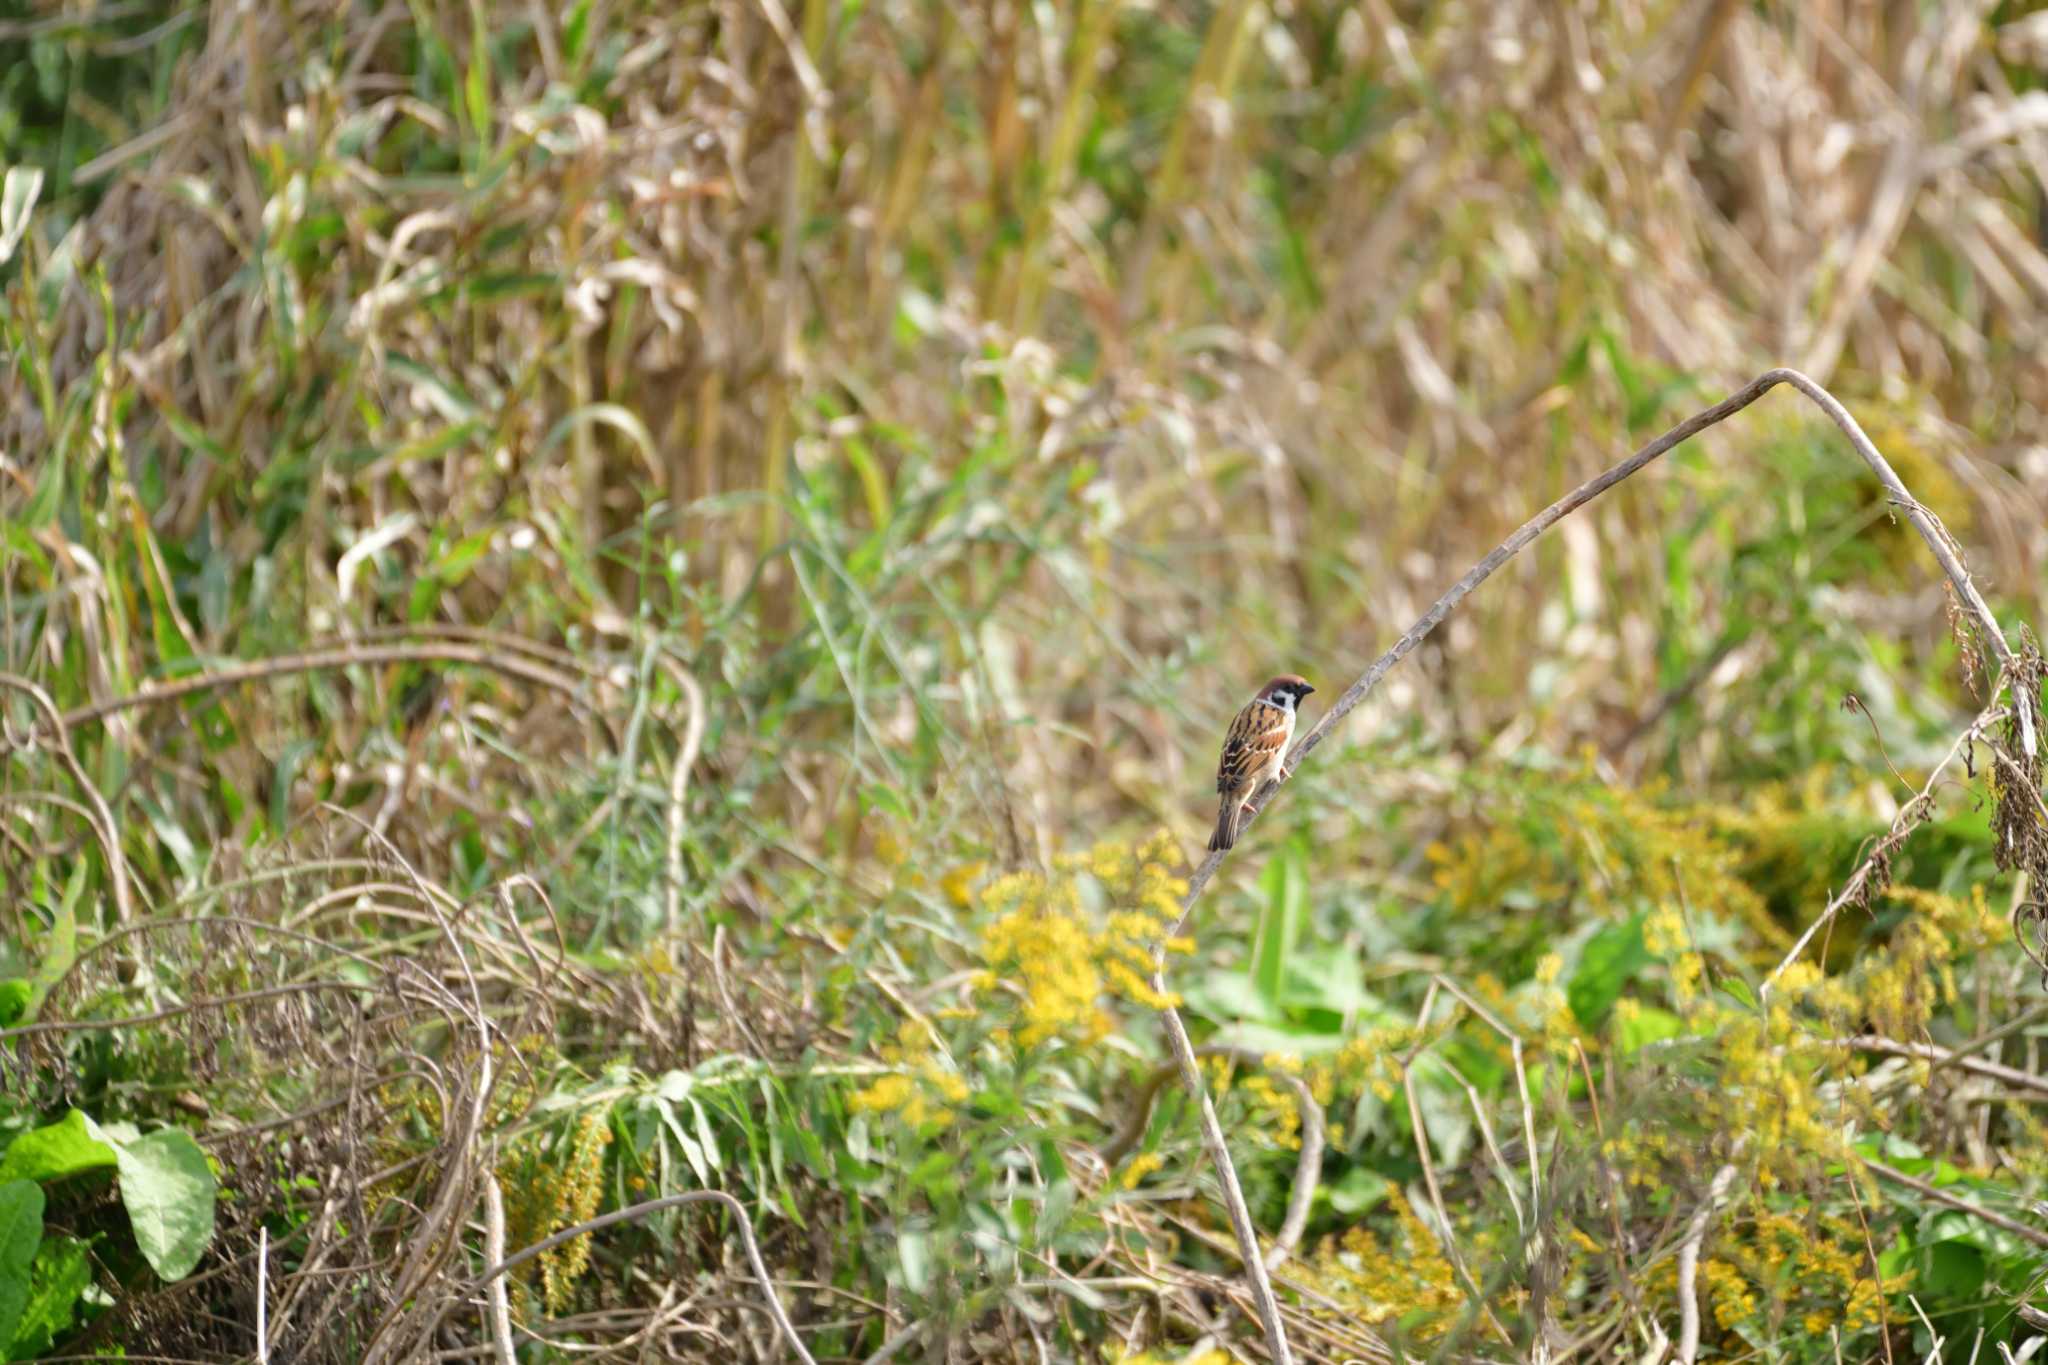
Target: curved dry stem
[641,1210]
[108,832]
[1226,1174]
[346,656]
[1689,1266]
[678,786]
[1307,1173]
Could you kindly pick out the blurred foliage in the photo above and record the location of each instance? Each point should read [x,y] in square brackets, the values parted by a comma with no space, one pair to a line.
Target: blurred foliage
[742,527]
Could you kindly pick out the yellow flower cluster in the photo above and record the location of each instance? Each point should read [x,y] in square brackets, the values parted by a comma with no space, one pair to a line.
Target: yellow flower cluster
[1062,961]
[926,1091]
[1275,1115]
[1370,1061]
[1611,848]
[1811,1272]
[552,1183]
[1376,1282]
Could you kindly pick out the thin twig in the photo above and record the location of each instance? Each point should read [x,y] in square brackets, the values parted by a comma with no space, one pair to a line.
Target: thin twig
[1909,818]
[263,1295]
[1941,1056]
[1514,1042]
[1689,1266]
[1957,1202]
[1446,1234]
[1226,1174]
[494,1248]
[1308,1171]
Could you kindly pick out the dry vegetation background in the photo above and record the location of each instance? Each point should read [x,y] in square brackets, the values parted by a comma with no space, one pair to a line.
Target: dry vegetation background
[603,600]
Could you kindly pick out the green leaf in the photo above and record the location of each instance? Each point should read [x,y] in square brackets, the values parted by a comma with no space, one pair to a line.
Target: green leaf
[1952,1271]
[14,994]
[1285,883]
[61,952]
[692,1151]
[288,762]
[1606,964]
[477,86]
[1358,1190]
[57,1281]
[58,271]
[1647,1024]
[21,1233]
[169,1190]
[63,1149]
[913,1249]
[1330,979]
[491,286]
[18,194]
[620,419]
[1225,994]
[576,30]
[49,492]
[705,1137]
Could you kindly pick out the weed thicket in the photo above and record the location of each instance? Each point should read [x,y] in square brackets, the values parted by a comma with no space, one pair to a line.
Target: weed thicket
[759,517]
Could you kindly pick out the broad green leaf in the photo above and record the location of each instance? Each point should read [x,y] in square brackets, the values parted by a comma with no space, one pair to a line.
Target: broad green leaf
[693,1152]
[21,1233]
[1952,1270]
[58,271]
[1225,994]
[14,994]
[1446,1110]
[434,446]
[63,1149]
[1285,883]
[1358,1190]
[1330,979]
[57,1281]
[1644,1025]
[1607,962]
[576,30]
[169,1190]
[439,393]
[491,286]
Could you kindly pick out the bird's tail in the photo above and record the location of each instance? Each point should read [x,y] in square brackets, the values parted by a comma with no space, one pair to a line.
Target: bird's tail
[1226,823]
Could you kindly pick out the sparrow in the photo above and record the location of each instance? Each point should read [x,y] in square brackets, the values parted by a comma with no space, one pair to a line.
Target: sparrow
[1254,750]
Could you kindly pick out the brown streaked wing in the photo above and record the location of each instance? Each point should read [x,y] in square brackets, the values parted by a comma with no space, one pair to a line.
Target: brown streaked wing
[1256,737]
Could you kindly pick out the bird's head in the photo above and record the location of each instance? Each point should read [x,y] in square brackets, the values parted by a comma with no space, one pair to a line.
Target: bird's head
[1286,690]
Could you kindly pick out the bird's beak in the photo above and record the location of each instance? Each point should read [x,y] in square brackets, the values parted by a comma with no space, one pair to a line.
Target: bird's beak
[1305,690]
